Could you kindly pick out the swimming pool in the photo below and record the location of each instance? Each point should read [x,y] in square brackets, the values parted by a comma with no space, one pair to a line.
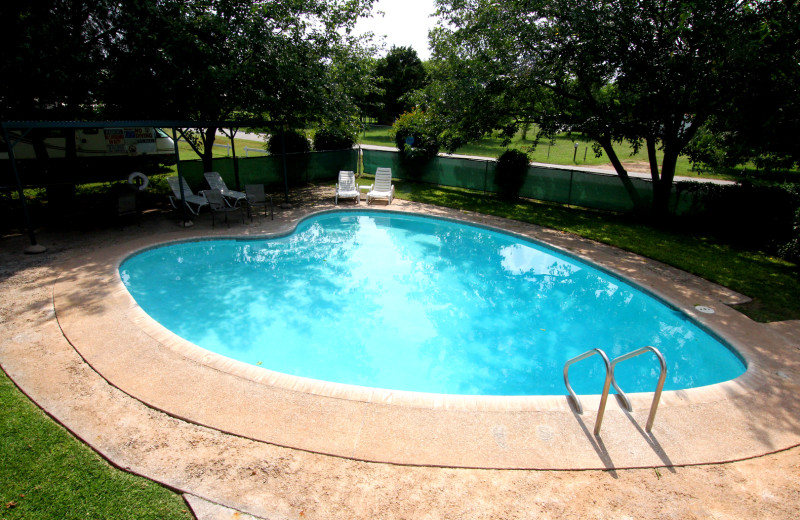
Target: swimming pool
[413,303]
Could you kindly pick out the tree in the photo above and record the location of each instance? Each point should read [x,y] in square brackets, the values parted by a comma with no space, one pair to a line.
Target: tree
[512,167]
[763,120]
[401,72]
[205,60]
[648,71]
[53,57]
[413,138]
[220,59]
[370,98]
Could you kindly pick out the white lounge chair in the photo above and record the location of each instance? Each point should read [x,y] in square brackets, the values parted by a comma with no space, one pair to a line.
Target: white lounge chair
[215,182]
[189,198]
[383,187]
[346,188]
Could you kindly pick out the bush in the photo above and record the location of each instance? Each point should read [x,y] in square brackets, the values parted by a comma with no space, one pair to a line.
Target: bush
[790,250]
[296,142]
[333,139]
[297,154]
[765,217]
[414,137]
[512,168]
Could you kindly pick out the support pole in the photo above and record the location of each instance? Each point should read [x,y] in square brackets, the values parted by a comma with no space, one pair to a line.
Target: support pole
[233,132]
[185,221]
[34,248]
[286,204]
[237,181]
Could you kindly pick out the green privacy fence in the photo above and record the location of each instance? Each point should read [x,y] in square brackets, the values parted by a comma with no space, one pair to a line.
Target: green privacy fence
[268,170]
[562,185]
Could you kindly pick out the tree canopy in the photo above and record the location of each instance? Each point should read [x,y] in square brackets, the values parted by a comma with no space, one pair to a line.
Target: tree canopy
[291,61]
[762,121]
[400,72]
[652,72]
[53,51]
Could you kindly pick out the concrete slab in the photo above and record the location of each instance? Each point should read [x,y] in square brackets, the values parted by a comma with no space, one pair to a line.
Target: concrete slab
[205,510]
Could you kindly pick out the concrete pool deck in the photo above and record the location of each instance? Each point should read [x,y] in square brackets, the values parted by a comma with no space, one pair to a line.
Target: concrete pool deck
[159,406]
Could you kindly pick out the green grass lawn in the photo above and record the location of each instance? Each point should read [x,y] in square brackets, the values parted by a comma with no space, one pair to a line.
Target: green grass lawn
[45,473]
[187,153]
[562,151]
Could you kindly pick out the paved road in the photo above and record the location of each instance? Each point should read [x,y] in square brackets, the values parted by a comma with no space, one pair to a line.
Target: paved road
[244,135]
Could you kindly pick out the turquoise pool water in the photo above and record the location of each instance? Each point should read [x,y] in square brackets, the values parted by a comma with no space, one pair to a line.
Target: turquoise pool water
[406,302]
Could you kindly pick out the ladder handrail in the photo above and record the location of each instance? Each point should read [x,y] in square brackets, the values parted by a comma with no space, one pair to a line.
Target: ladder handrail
[662,377]
[608,381]
[611,380]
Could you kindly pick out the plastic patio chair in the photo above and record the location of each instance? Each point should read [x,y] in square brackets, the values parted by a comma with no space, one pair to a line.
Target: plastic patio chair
[347,188]
[256,197]
[127,205]
[215,182]
[383,187]
[190,199]
[218,204]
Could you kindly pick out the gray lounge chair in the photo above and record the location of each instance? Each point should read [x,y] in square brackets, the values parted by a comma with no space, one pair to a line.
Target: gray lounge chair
[215,182]
[218,205]
[256,197]
[190,199]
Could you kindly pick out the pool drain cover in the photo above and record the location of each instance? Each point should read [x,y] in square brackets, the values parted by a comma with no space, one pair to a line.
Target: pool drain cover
[704,309]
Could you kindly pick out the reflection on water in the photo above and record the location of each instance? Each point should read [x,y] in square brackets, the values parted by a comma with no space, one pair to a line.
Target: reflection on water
[409,303]
[522,259]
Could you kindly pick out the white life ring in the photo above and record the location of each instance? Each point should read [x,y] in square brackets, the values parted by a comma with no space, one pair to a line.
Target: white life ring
[139,175]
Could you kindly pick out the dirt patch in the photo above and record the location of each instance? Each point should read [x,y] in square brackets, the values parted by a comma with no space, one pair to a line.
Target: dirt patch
[630,166]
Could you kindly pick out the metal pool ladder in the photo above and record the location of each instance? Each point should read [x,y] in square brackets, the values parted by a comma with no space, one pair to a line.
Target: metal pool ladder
[611,381]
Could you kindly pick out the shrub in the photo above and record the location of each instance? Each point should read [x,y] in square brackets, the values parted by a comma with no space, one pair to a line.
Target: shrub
[790,250]
[414,136]
[753,216]
[297,156]
[512,168]
[333,139]
[296,142]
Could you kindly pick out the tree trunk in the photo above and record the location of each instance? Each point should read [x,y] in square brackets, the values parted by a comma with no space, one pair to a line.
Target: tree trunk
[662,187]
[639,205]
[39,147]
[71,154]
[208,137]
[653,159]
[235,160]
